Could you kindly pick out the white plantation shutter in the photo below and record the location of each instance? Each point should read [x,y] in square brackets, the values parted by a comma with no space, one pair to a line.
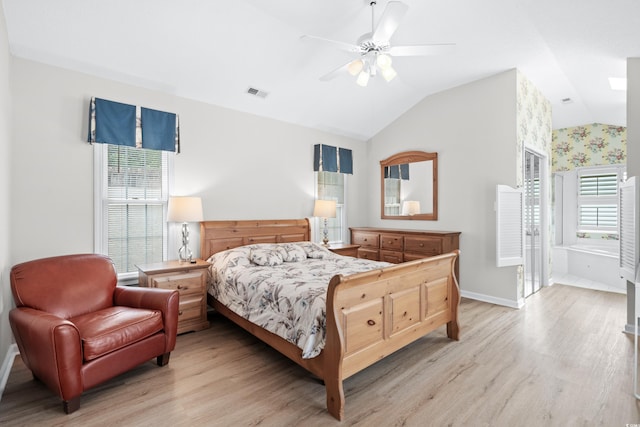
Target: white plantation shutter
[628,226]
[509,226]
[597,201]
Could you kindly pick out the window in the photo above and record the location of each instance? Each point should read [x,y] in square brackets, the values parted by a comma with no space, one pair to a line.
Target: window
[392,196]
[331,186]
[598,199]
[131,194]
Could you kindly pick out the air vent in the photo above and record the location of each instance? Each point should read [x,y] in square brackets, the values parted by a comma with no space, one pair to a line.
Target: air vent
[257,92]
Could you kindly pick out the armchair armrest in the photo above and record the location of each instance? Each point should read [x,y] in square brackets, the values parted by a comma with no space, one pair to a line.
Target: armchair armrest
[164,300]
[50,347]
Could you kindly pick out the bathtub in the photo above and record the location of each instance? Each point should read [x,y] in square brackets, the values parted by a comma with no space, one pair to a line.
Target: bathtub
[592,266]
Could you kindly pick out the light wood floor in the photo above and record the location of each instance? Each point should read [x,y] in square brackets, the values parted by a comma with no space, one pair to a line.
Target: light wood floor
[560,361]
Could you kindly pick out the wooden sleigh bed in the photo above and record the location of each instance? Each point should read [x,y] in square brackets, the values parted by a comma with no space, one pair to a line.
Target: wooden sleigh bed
[369,315]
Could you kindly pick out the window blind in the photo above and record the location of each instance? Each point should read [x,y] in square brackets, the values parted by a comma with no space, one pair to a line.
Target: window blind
[134,203]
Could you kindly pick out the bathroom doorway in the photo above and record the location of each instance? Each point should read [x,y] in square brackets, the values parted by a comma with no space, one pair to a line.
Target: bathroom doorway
[535,223]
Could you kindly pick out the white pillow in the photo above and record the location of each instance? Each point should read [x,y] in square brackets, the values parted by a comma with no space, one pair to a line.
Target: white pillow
[266,257]
[291,252]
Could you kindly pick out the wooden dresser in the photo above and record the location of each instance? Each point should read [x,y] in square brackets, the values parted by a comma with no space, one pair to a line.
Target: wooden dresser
[393,245]
[190,280]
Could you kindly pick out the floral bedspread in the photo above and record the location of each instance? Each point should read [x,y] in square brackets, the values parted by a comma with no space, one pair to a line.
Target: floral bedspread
[282,287]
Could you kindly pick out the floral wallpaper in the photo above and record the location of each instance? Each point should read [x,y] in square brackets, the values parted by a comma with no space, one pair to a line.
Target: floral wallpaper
[590,145]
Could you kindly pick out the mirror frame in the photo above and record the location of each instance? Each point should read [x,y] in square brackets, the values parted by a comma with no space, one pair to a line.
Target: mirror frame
[411,157]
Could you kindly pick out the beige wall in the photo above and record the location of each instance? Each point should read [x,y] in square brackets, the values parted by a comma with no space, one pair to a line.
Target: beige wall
[473,130]
[243,166]
[5,189]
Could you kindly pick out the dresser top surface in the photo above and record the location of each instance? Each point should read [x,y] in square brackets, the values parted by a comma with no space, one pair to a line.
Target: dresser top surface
[404,231]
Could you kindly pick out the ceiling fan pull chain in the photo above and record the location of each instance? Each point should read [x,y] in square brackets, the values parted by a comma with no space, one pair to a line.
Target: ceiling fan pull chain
[373,26]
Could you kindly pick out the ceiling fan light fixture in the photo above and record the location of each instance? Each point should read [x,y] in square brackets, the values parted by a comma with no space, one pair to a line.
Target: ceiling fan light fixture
[355,67]
[389,73]
[383,61]
[363,78]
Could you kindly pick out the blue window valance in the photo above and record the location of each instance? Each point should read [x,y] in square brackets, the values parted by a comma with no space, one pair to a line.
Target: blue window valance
[397,171]
[123,124]
[327,158]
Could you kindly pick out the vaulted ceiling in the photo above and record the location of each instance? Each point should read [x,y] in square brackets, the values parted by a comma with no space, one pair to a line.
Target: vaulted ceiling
[214,51]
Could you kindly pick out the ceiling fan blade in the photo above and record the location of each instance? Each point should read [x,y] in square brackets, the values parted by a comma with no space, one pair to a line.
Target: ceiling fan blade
[421,50]
[335,73]
[389,21]
[340,45]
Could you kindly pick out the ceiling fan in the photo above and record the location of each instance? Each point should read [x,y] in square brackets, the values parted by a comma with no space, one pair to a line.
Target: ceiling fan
[374,49]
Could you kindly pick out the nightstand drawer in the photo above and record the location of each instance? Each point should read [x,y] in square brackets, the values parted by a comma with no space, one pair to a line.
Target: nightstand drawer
[190,308]
[185,282]
[190,280]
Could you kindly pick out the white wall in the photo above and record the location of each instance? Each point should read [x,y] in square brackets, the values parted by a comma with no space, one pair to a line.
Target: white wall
[5,189]
[473,130]
[243,166]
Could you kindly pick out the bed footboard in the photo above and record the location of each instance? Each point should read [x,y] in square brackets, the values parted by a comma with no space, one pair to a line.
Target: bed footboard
[371,315]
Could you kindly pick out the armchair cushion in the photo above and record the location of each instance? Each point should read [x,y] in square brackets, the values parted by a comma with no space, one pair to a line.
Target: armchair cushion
[115,327]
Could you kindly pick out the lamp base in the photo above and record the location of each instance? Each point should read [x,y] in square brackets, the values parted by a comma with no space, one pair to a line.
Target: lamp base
[325,234]
[184,253]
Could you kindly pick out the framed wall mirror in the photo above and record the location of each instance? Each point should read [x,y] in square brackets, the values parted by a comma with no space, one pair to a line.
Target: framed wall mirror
[409,186]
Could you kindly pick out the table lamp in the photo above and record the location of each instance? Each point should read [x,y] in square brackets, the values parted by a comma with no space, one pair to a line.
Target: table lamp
[185,210]
[325,209]
[410,207]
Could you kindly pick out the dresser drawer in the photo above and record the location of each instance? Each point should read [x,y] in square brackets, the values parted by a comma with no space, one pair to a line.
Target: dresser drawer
[364,239]
[391,242]
[185,282]
[391,256]
[370,254]
[424,245]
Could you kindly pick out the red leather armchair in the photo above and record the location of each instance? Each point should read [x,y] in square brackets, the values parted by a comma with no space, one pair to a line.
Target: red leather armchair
[76,328]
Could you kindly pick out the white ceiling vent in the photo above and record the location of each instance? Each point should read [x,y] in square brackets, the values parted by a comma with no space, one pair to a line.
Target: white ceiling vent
[257,92]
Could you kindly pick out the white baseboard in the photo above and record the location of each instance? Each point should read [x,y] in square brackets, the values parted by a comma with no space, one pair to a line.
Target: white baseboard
[492,300]
[7,363]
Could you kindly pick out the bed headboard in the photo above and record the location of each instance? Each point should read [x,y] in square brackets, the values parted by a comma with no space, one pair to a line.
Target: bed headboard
[216,236]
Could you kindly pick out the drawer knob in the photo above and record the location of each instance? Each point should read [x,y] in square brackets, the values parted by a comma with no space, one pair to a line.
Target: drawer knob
[180,313]
[180,287]
[370,322]
[422,245]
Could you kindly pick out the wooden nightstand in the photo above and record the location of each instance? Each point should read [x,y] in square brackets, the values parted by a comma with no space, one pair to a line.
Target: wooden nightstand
[345,249]
[190,280]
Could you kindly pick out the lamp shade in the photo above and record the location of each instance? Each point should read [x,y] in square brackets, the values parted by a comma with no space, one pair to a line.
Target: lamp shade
[411,207]
[185,209]
[325,209]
